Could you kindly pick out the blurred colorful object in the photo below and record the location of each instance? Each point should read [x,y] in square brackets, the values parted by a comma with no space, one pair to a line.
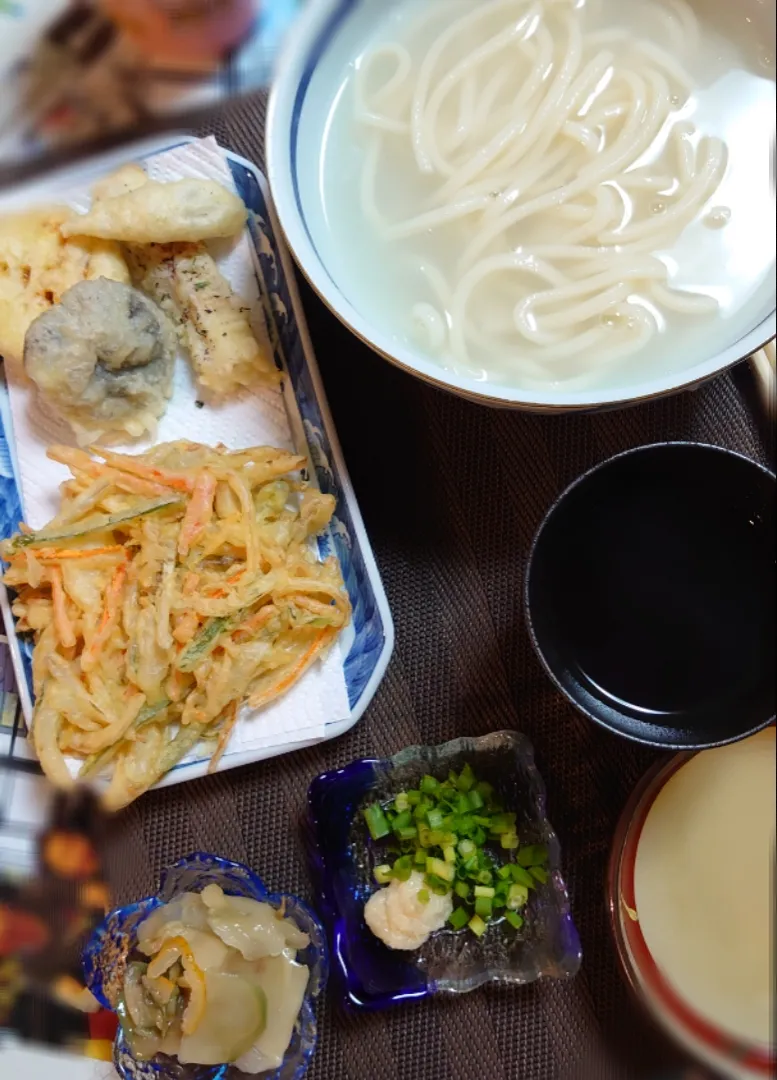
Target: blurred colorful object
[180,30]
[75,72]
[20,933]
[45,917]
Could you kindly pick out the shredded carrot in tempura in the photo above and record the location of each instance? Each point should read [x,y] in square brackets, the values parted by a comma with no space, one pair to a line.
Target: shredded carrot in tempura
[109,617]
[171,589]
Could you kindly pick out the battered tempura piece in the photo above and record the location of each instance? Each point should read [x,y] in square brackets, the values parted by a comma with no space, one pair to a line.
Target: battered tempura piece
[212,322]
[37,265]
[184,280]
[172,588]
[103,359]
[154,213]
[125,179]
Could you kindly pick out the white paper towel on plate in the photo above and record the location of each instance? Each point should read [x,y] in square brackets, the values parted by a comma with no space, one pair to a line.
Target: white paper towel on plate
[253,418]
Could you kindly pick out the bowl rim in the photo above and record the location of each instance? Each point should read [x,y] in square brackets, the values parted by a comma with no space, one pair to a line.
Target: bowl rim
[527,604]
[298,60]
[676,1018]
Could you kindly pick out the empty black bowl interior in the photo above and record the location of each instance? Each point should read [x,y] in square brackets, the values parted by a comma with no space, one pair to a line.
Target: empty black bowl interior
[651,595]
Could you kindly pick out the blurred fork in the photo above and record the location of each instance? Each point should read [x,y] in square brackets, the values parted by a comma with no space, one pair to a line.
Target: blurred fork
[763,366]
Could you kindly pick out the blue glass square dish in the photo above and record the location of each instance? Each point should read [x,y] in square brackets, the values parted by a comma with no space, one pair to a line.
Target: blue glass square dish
[106,953]
[343,856]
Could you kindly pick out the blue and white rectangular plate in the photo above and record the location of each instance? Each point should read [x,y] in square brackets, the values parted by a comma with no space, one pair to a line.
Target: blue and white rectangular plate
[366,644]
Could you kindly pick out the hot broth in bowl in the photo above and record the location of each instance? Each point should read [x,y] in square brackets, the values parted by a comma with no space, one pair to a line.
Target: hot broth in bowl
[536,201]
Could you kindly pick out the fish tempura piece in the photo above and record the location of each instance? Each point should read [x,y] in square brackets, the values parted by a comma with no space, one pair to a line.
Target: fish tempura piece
[212,322]
[155,213]
[125,179]
[224,349]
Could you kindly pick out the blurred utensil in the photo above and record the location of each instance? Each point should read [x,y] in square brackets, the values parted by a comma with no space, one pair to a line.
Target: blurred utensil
[763,366]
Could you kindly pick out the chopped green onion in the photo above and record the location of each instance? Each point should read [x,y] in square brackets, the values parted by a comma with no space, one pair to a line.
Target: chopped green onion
[533,855]
[483,907]
[477,926]
[377,822]
[440,869]
[501,823]
[466,778]
[456,832]
[382,874]
[517,896]
[437,885]
[475,800]
[521,876]
[458,918]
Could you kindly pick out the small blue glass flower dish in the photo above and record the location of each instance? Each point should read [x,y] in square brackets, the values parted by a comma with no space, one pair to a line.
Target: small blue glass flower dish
[343,857]
[105,959]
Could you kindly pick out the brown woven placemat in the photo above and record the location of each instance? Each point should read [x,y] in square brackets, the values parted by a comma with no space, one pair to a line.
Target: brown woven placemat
[451,495]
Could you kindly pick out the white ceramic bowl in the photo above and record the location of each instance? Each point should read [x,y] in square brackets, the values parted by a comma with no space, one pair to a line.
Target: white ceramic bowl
[325,37]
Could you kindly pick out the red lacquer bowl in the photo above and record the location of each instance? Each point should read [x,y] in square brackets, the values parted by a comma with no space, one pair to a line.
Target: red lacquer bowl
[700,1038]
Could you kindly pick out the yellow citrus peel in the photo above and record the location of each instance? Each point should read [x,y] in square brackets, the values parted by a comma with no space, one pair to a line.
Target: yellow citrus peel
[193,979]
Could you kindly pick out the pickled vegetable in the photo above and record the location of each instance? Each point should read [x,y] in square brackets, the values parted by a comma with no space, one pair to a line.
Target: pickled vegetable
[221,982]
[234,1019]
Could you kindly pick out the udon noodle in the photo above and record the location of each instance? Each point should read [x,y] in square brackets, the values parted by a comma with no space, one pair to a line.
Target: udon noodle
[552,162]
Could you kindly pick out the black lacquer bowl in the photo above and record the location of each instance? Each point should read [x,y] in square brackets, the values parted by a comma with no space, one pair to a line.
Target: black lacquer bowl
[650,595]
